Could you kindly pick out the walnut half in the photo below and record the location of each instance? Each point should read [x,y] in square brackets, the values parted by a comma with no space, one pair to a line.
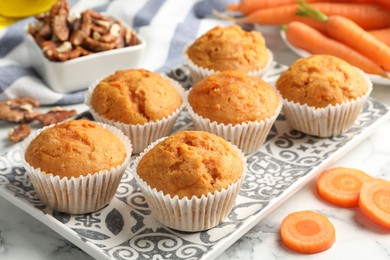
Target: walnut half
[55,115]
[18,133]
[18,109]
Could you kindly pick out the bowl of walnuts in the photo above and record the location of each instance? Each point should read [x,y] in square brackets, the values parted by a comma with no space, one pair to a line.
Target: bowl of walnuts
[70,52]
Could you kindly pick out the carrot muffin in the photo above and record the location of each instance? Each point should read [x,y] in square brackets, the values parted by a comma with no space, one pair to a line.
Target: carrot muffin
[135,96]
[190,163]
[323,94]
[74,148]
[190,179]
[143,104]
[228,48]
[233,97]
[321,80]
[76,166]
[235,106]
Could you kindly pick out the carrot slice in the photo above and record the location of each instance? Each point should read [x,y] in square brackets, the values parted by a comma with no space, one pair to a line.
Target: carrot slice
[307,232]
[374,201]
[341,186]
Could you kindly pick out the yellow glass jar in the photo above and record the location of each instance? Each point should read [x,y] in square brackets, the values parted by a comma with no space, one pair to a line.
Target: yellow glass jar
[24,8]
[5,21]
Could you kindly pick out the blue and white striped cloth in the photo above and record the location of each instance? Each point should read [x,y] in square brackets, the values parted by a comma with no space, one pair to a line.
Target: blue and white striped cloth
[166,25]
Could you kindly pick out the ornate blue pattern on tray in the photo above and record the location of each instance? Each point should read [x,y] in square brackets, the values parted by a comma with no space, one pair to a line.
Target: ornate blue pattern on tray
[125,229]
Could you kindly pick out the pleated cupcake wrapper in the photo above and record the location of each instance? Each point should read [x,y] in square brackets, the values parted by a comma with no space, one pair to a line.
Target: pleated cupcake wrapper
[249,136]
[325,122]
[197,73]
[141,135]
[77,195]
[194,214]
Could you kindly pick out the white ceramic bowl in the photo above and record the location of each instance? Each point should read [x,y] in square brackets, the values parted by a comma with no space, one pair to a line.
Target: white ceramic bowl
[79,73]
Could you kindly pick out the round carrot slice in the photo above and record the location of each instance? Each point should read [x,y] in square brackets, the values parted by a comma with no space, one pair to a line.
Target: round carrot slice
[307,232]
[374,201]
[341,186]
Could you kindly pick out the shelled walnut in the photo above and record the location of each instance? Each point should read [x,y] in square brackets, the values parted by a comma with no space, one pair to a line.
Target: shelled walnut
[18,133]
[63,37]
[55,115]
[18,110]
[22,111]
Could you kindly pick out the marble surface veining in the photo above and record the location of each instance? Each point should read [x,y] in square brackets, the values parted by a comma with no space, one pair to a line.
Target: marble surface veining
[24,237]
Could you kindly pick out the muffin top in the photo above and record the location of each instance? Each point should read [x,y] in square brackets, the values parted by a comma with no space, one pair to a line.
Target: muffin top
[135,96]
[190,163]
[321,80]
[74,148]
[233,97]
[227,48]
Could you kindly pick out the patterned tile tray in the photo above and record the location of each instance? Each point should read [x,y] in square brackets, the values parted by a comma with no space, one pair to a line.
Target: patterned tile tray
[125,229]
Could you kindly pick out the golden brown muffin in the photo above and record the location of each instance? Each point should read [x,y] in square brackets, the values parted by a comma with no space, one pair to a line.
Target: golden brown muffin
[227,48]
[320,80]
[190,163]
[135,96]
[74,148]
[233,97]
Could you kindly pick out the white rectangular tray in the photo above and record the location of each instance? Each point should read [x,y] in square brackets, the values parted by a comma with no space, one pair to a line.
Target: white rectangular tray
[125,229]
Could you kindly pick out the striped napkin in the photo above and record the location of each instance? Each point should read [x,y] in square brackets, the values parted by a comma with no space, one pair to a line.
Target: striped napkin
[166,25]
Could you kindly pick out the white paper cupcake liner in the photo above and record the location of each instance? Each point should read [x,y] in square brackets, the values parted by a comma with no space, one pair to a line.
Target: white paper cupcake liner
[190,214]
[197,73]
[248,136]
[141,135]
[77,195]
[325,122]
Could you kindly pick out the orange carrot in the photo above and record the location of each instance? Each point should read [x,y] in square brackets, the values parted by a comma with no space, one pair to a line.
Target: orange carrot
[250,6]
[384,3]
[346,31]
[307,232]
[307,38]
[274,16]
[382,34]
[368,16]
[374,201]
[341,186]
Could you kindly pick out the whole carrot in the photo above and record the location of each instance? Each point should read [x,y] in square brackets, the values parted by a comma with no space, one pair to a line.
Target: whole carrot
[250,6]
[384,3]
[274,16]
[368,16]
[307,38]
[346,31]
[382,34]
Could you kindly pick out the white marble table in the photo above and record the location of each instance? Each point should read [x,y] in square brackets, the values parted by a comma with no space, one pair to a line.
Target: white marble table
[23,237]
